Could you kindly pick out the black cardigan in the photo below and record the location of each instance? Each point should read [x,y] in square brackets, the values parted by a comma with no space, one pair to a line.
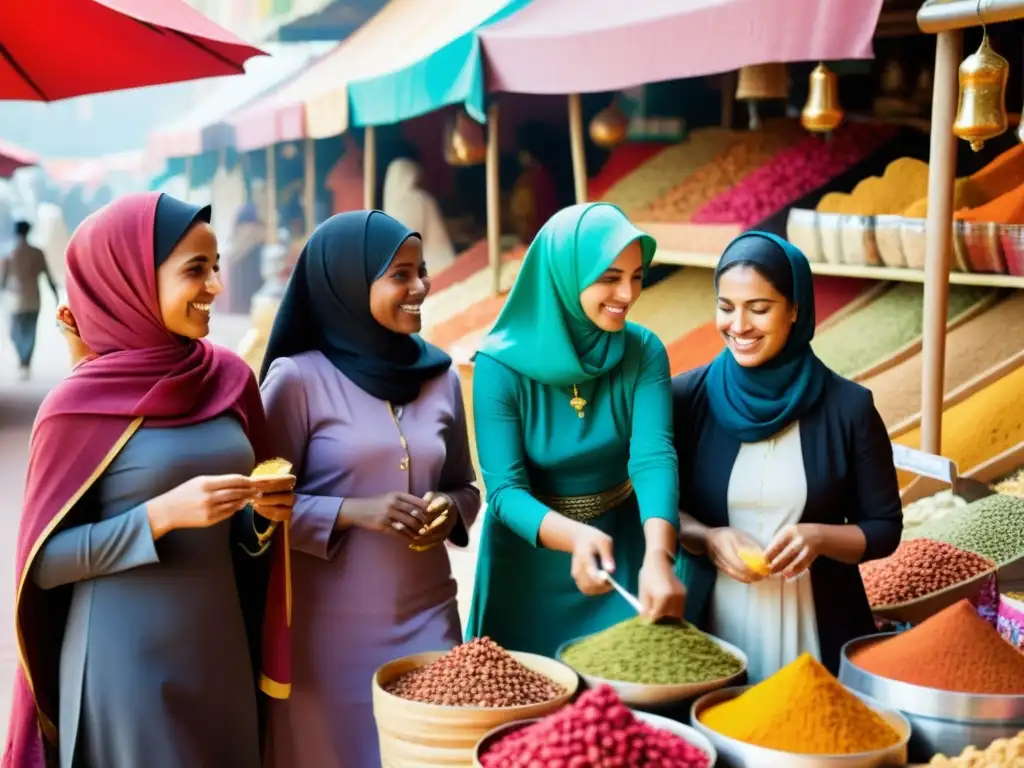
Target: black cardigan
[850,479]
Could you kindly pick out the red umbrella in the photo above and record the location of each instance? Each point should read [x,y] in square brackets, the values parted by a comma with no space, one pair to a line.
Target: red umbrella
[56,49]
[13,157]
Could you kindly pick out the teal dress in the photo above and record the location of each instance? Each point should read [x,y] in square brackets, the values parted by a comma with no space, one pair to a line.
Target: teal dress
[532,443]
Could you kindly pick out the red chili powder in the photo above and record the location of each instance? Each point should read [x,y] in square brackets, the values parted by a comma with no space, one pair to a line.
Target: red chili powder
[954,650]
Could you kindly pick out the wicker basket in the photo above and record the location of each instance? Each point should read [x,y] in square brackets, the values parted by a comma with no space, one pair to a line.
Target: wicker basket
[417,735]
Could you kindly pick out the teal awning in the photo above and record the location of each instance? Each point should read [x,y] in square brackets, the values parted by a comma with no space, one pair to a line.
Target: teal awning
[452,73]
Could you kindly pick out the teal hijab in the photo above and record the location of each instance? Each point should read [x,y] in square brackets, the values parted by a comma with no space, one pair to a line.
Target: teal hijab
[543,332]
[755,403]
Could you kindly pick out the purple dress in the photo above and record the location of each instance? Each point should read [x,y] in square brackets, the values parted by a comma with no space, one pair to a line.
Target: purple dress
[361,598]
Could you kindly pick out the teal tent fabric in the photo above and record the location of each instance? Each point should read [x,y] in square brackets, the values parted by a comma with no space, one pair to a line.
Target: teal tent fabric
[453,74]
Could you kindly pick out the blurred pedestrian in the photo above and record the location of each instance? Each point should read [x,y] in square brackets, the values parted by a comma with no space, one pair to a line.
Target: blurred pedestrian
[21,271]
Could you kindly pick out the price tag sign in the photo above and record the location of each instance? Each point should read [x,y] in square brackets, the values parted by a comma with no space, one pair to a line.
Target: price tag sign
[924,464]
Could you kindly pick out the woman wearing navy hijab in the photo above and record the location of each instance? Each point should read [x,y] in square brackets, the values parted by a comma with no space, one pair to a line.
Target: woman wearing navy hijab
[780,455]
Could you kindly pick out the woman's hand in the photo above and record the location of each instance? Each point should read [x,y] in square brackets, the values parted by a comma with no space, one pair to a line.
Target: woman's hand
[199,503]
[661,593]
[274,497]
[396,514]
[590,547]
[793,549]
[438,506]
[723,545]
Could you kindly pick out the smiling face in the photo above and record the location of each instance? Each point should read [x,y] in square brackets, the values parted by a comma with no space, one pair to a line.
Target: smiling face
[396,297]
[753,317]
[608,299]
[188,282]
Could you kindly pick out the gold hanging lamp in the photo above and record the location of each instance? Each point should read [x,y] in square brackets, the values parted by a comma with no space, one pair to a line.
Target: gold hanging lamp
[981,112]
[610,126]
[822,112]
[464,140]
[761,82]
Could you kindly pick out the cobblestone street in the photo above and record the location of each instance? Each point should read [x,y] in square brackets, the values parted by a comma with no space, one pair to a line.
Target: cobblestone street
[18,404]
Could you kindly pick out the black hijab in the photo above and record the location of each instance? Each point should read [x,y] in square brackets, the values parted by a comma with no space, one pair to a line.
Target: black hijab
[326,307]
[174,218]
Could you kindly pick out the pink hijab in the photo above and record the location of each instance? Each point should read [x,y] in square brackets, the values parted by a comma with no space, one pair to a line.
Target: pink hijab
[141,372]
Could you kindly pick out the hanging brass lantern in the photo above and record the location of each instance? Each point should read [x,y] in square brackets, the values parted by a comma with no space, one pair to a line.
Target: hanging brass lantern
[761,82]
[822,112]
[610,126]
[981,114]
[464,141]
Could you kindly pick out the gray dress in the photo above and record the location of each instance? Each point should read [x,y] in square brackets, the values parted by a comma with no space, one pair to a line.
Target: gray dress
[155,668]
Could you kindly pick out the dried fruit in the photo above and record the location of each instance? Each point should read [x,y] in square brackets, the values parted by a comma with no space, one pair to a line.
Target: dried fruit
[597,730]
[479,673]
[754,560]
[272,468]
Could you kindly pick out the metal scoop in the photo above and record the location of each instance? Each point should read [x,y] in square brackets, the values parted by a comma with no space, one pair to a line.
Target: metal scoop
[629,597]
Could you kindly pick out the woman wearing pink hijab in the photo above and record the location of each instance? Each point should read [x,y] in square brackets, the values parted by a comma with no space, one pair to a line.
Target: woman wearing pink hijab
[133,601]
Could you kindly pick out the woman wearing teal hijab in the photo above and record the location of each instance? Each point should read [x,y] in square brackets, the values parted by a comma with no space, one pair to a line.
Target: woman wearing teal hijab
[781,456]
[573,416]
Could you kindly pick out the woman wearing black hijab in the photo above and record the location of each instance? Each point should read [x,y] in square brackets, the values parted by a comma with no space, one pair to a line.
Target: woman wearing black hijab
[780,455]
[372,418]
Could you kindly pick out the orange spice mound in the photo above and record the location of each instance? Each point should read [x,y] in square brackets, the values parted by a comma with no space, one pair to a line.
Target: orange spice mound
[954,650]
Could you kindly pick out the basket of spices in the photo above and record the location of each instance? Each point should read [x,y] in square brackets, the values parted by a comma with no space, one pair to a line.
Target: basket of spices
[991,527]
[433,708]
[922,577]
[954,677]
[650,664]
[597,729]
[800,717]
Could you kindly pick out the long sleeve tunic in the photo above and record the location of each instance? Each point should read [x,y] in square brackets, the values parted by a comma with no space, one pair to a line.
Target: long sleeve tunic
[532,443]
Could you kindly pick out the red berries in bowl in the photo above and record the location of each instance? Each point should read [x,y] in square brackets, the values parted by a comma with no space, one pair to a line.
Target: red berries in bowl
[597,730]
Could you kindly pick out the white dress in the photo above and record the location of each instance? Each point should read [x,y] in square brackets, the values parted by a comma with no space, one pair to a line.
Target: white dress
[772,620]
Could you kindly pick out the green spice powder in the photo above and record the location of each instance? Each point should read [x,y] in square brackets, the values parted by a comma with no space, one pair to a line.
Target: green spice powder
[992,527]
[637,651]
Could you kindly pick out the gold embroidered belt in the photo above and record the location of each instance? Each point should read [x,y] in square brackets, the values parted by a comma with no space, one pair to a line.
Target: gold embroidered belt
[583,509]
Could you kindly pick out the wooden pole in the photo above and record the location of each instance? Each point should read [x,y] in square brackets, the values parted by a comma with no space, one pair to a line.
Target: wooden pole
[939,236]
[494,197]
[309,185]
[272,194]
[579,157]
[370,169]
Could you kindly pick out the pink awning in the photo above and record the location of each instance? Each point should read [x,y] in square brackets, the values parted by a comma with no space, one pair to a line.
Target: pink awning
[13,157]
[564,46]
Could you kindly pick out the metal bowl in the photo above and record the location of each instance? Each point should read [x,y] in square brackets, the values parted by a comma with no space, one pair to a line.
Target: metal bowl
[738,754]
[658,695]
[943,721]
[691,735]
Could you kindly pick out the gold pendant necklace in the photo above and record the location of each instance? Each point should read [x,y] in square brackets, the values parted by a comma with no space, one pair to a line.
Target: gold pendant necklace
[577,402]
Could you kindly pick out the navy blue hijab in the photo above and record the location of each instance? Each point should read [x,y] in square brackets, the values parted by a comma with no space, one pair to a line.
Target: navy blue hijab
[174,218]
[326,307]
[753,404]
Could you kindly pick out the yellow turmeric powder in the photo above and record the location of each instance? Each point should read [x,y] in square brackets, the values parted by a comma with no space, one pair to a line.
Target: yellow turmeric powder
[904,181]
[804,710]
